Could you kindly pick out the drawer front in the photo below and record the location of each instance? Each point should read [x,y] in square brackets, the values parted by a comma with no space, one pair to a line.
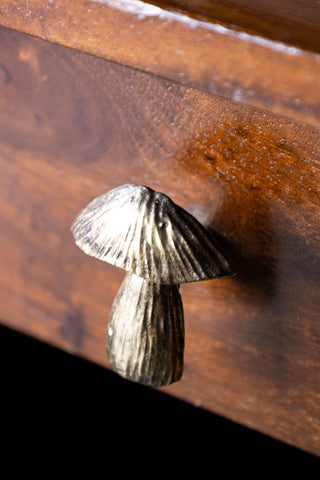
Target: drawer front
[72,126]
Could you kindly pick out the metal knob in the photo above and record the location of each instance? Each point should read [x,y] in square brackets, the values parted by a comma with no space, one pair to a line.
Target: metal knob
[160,245]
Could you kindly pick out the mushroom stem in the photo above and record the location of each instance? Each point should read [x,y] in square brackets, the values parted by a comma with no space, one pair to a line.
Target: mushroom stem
[145,339]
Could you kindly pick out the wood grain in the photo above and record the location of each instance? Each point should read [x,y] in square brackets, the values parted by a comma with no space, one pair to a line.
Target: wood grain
[73,126]
[296,23]
[204,54]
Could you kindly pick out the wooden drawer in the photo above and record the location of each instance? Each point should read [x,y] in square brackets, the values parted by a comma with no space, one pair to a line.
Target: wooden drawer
[73,126]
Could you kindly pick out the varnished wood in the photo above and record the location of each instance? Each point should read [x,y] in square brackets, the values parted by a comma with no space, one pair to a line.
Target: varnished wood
[72,127]
[203,54]
[293,22]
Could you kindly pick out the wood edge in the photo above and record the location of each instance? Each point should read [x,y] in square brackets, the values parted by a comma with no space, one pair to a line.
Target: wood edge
[135,38]
[264,22]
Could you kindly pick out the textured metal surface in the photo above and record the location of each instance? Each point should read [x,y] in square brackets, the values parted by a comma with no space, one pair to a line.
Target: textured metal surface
[145,339]
[160,245]
[144,232]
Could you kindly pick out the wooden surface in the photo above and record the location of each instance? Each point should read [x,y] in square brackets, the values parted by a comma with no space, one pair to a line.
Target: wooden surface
[222,59]
[294,22]
[73,126]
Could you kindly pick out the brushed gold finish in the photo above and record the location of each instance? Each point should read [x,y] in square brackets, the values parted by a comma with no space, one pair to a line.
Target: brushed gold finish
[146,233]
[145,339]
[160,245]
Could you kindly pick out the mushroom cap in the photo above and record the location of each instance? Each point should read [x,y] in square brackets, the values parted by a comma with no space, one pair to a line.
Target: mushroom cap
[143,231]
[145,339]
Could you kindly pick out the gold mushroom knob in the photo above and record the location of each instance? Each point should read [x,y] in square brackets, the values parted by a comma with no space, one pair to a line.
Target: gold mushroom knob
[160,245]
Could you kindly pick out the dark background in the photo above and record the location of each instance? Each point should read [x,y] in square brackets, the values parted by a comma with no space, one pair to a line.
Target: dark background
[66,417]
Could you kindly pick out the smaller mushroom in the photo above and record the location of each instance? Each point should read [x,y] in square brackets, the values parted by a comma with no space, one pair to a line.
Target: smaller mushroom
[145,339]
[160,245]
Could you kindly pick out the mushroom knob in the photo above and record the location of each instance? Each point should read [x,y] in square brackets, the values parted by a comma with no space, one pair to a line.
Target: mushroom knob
[160,245]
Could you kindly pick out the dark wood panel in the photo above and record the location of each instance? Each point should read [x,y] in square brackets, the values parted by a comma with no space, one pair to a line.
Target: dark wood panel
[73,126]
[296,23]
[204,54]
